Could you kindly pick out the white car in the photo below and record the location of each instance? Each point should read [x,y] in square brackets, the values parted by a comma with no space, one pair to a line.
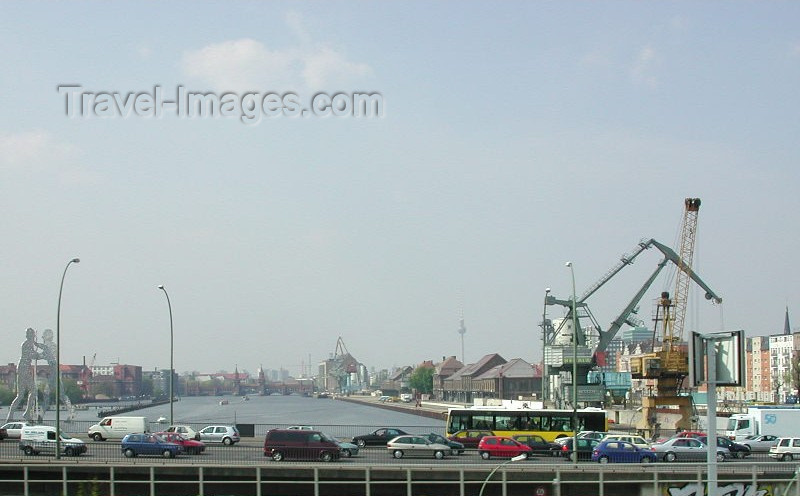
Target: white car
[410,445]
[787,449]
[14,429]
[637,441]
[301,427]
[185,430]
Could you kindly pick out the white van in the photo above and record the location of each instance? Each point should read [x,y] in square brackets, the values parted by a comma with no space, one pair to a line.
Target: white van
[36,439]
[118,427]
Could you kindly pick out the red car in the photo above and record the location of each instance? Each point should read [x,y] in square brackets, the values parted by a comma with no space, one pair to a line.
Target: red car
[190,446]
[502,447]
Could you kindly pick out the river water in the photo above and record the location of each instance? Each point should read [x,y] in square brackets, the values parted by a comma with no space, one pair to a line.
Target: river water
[272,411]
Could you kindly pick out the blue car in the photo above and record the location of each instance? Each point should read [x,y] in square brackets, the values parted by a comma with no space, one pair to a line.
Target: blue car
[621,452]
[149,444]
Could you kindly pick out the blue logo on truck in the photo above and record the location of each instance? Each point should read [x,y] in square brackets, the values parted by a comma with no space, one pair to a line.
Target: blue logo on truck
[770,418]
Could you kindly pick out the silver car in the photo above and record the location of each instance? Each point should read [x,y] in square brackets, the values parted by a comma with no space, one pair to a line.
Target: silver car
[760,444]
[685,449]
[411,445]
[225,434]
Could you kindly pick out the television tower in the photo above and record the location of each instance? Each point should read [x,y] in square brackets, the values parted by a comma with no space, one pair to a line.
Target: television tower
[462,329]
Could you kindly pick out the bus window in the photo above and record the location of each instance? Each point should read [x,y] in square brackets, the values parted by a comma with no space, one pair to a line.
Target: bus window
[482,422]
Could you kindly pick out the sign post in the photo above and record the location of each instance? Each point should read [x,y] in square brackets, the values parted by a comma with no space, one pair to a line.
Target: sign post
[724,367]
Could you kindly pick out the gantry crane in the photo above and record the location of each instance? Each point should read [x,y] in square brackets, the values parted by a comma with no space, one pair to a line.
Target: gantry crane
[668,363]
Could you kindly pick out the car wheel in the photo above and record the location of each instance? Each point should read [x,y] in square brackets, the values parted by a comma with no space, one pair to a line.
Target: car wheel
[227,441]
[29,451]
[646,459]
[69,451]
[603,459]
[720,457]
[485,455]
[786,457]
[168,453]
[361,443]
[398,454]
[438,454]
[277,456]
[326,456]
[97,436]
[347,453]
[670,457]
[129,453]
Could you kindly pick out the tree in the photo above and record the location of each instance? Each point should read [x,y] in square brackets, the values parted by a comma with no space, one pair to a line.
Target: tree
[422,380]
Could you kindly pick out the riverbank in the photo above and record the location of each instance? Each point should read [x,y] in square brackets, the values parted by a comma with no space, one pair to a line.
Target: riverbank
[423,409]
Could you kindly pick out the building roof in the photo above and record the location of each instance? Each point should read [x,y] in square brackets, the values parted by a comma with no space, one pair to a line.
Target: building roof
[516,368]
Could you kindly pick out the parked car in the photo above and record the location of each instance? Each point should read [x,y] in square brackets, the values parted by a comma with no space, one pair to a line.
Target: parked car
[190,446]
[14,429]
[760,443]
[685,449]
[133,445]
[470,437]
[585,448]
[456,448]
[637,441]
[301,427]
[225,434]
[411,445]
[736,450]
[186,430]
[301,444]
[378,437]
[786,449]
[539,445]
[502,447]
[616,451]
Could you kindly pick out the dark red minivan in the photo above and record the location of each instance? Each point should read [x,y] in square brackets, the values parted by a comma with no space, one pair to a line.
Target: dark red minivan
[284,444]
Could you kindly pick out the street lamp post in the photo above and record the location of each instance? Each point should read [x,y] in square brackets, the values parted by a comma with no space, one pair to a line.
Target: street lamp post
[544,344]
[58,360]
[514,459]
[574,368]
[171,356]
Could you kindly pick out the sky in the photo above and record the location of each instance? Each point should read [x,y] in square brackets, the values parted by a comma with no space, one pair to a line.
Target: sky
[513,137]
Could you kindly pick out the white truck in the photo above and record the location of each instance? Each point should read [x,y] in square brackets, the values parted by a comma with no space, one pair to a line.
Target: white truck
[782,422]
[118,427]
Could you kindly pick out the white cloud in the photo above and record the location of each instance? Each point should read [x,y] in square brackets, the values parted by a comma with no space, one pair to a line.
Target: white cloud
[249,65]
[642,70]
[32,149]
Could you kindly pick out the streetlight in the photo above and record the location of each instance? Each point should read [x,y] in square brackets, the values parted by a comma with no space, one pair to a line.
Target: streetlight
[171,355]
[574,369]
[544,342]
[58,360]
[517,458]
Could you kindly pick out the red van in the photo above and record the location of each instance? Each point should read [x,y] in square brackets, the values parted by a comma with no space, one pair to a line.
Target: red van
[283,444]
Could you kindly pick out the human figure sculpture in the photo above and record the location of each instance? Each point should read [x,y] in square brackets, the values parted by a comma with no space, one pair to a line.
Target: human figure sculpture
[48,353]
[26,382]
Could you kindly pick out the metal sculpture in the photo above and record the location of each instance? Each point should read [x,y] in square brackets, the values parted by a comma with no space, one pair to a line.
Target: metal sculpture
[49,354]
[26,381]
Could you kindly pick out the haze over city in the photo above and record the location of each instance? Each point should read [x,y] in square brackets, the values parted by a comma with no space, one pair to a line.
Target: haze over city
[514,137]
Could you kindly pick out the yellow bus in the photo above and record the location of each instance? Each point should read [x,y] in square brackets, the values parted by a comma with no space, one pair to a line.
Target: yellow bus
[550,424]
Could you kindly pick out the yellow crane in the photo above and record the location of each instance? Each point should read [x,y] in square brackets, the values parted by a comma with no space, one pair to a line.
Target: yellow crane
[668,364]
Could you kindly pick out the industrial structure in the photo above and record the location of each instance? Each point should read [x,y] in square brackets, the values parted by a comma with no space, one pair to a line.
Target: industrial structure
[668,363]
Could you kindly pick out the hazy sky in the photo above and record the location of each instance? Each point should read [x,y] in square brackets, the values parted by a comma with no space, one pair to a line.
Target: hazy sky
[515,137]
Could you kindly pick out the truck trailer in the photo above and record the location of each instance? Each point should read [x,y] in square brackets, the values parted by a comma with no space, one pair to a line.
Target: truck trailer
[777,421]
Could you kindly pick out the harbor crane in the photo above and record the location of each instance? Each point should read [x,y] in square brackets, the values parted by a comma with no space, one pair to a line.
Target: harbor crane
[668,363]
[559,339]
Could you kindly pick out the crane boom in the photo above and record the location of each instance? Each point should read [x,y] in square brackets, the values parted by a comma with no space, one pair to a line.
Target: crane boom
[686,247]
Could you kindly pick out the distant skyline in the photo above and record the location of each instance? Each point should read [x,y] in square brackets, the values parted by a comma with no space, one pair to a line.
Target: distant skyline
[514,137]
